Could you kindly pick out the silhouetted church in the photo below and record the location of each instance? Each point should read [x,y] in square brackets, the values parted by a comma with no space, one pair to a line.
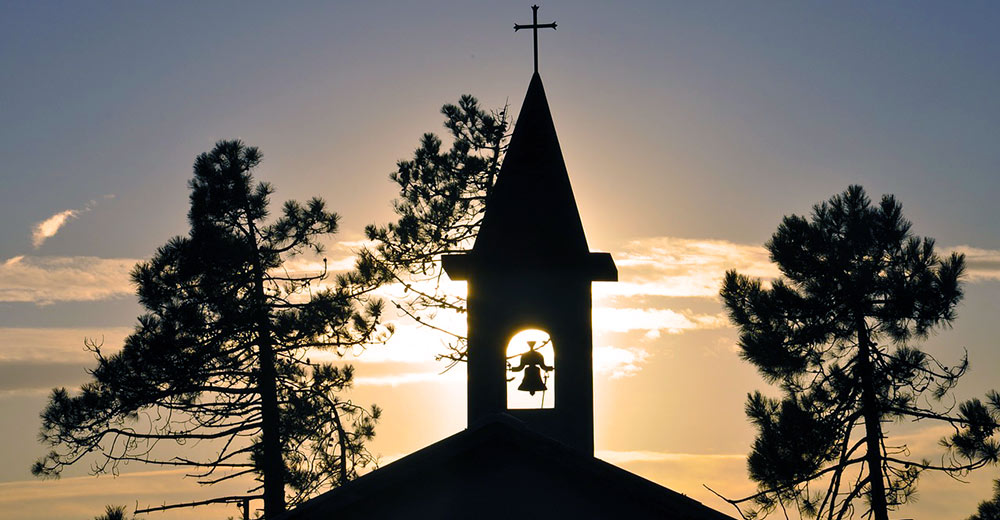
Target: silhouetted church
[530,268]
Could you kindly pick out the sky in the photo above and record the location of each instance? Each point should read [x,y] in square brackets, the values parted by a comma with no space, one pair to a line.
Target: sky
[688,129]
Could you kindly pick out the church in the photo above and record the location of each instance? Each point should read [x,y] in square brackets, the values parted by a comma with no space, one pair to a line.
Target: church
[520,456]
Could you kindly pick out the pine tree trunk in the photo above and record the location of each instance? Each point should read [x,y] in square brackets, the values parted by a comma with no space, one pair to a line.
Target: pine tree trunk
[873,424]
[273,467]
[342,439]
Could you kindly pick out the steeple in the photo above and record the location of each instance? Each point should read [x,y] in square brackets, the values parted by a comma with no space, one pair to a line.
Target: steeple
[531,219]
[531,213]
[531,268]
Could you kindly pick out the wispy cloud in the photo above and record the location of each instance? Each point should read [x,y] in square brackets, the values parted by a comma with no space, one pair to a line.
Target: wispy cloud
[48,279]
[682,267]
[405,378]
[64,345]
[619,362]
[622,457]
[981,264]
[34,360]
[410,343]
[48,228]
[83,497]
[299,266]
[653,271]
[33,377]
[688,473]
[658,319]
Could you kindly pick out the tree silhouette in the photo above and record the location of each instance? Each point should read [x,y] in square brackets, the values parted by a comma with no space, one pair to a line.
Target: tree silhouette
[989,509]
[837,334]
[220,354]
[440,207]
[113,513]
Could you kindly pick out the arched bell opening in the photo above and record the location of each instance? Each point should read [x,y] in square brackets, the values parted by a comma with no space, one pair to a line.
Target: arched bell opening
[531,375]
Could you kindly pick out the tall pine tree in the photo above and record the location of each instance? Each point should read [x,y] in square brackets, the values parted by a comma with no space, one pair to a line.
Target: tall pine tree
[220,354]
[442,197]
[837,333]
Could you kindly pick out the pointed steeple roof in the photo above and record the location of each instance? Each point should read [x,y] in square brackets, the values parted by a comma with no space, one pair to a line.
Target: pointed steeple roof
[531,213]
[531,220]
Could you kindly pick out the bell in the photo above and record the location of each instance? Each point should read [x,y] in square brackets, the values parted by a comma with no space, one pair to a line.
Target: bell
[532,381]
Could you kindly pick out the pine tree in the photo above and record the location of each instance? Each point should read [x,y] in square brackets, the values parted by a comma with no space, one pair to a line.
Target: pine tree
[220,356]
[989,509]
[442,197]
[837,333]
[113,513]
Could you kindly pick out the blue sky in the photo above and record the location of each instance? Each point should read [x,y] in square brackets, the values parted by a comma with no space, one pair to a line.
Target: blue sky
[689,130]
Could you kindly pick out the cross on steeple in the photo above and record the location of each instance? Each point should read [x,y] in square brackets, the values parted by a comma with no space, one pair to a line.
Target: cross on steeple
[535,26]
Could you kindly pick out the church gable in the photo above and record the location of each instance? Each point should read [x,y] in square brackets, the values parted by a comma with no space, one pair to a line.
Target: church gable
[501,469]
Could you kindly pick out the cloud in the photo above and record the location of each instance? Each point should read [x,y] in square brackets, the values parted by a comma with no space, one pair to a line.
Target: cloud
[85,497]
[26,376]
[48,228]
[619,362]
[34,360]
[395,380]
[409,343]
[655,319]
[302,266]
[653,271]
[688,473]
[65,345]
[48,279]
[339,255]
[624,457]
[981,264]
[682,267]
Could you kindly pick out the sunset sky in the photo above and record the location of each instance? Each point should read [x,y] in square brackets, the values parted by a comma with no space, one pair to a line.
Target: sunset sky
[688,129]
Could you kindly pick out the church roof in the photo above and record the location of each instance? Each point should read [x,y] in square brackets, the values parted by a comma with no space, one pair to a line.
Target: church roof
[501,469]
[532,208]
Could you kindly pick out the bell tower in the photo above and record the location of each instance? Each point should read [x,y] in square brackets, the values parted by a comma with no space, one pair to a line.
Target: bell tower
[531,268]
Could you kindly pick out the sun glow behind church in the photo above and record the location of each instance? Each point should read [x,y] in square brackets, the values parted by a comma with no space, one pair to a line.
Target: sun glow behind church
[676,120]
